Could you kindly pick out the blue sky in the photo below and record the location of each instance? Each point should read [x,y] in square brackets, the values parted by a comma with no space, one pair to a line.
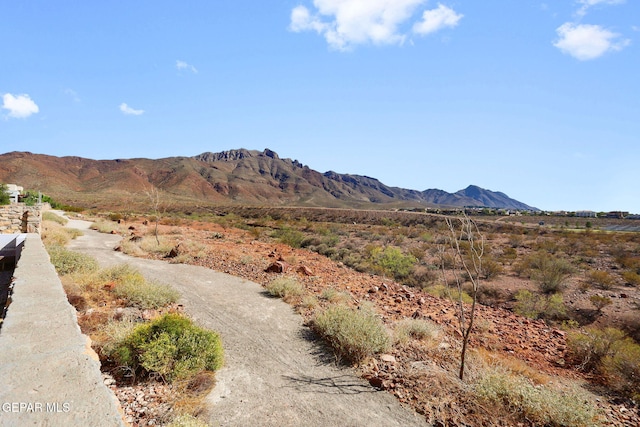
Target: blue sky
[539,100]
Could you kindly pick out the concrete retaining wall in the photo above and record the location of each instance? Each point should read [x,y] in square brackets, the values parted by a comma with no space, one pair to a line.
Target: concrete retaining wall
[49,375]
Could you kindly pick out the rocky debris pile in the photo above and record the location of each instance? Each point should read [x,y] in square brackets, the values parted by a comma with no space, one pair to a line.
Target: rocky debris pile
[143,404]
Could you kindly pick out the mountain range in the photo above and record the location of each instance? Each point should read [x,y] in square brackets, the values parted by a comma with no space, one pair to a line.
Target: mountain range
[243,177]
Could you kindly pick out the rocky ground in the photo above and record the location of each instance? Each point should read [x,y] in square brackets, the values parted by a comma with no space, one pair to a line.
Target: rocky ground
[532,343]
[408,370]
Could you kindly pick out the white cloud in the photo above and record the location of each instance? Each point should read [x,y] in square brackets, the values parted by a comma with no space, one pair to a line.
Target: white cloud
[587,4]
[130,111]
[19,106]
[437,19]
[347,23]
[181,65]
[586,42]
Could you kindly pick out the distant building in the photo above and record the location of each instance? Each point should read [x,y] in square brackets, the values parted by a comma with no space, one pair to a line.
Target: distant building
[586,214]
[14,192]
[617,214]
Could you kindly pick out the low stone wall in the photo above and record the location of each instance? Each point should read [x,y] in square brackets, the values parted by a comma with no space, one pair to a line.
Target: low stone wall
[49,374]
[19,218]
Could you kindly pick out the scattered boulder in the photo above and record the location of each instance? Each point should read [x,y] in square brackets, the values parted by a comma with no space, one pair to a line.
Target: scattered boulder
[277,267]
[388,358]
[303,269]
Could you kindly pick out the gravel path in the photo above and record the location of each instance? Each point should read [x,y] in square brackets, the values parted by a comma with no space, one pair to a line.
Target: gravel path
[276,373]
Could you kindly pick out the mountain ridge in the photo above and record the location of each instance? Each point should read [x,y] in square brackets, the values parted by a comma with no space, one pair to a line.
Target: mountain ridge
[237,176]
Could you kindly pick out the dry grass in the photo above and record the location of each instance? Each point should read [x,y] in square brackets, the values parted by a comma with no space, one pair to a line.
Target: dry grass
[354,334]
[419,329]
[107,227]
[287,288]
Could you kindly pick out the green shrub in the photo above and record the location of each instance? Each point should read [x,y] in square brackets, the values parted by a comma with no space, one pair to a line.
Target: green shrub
[289,236]
[536,306]
[286,288]
[354,334]
[171,346]
[68,262]
[600,302]
[392,261]
[541,404]
[143,294]
[5,197]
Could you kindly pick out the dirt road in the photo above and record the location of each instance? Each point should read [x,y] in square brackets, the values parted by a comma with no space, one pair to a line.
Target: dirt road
[276,373]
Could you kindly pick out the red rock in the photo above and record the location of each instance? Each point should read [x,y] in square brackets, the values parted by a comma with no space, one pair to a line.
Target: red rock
[277,267]
[376,382]
[303,269]
[388,358]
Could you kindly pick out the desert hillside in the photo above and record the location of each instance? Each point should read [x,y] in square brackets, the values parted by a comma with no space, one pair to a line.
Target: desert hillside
[235,177]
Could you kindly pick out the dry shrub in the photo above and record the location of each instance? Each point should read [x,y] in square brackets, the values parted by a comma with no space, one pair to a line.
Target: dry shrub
[53,217]
[493,295]
[335,296]
[544,405]
[422,275]
[490,268]
[107,227]
[601,279]
[610,353]
[68,262]
[55,234]
[514,366]
[452,294]
[550,272]
[354,334]
[287,288]
[131,248]
[631,277]
[419,329]
[160,246]
[630,323]
[186,420]
[192,393]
